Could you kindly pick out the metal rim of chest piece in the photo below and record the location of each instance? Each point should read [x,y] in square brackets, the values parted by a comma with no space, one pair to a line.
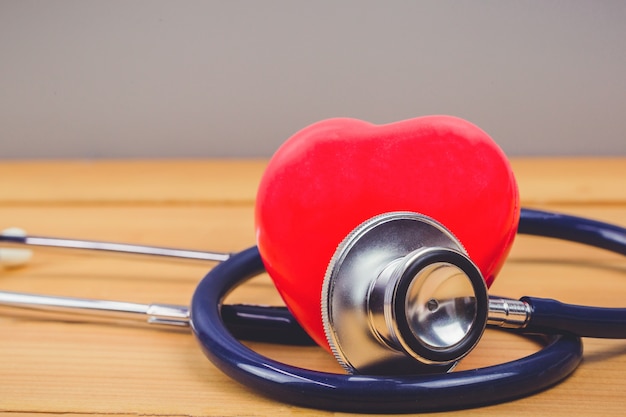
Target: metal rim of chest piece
[401,296]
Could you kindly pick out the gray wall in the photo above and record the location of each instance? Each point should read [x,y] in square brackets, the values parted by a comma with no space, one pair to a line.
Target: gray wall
[236,78]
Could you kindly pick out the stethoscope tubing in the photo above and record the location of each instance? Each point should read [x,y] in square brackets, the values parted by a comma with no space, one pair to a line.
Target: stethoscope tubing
[392,394]
[585,321]
[573,228]
[362,393]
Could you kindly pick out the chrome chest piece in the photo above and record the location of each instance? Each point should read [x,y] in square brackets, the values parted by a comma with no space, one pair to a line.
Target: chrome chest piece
[401,296]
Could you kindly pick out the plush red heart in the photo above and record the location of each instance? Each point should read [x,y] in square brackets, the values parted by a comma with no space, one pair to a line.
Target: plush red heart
[331,176]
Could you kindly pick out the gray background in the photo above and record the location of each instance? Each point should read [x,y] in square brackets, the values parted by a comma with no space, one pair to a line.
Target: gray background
[94,79]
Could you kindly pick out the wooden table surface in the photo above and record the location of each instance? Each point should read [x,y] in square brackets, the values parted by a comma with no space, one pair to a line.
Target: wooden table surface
[79,367]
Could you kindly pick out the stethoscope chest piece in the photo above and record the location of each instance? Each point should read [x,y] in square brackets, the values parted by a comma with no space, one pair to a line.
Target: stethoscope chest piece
[401,296]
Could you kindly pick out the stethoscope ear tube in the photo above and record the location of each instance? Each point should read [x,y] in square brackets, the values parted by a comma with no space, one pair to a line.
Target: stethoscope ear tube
[363,393]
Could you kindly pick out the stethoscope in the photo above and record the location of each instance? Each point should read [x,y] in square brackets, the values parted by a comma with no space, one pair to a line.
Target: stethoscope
[378,271]
[434,316]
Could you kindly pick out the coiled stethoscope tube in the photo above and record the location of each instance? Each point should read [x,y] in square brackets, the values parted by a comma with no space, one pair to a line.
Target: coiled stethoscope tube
[390,394]
[364,393]
[217,327]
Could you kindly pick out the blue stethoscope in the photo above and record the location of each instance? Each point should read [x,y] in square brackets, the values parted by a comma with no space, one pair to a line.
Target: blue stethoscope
[425,335]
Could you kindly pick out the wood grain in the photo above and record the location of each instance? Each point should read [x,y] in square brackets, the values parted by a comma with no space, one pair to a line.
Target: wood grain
[78,367]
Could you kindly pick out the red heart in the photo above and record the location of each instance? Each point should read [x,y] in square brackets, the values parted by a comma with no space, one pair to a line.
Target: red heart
[333,175]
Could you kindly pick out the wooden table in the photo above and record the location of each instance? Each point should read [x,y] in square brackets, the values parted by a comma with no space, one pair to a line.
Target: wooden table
[78,367]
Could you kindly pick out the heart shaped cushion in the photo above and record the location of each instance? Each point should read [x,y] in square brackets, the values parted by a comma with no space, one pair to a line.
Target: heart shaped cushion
[331,176]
